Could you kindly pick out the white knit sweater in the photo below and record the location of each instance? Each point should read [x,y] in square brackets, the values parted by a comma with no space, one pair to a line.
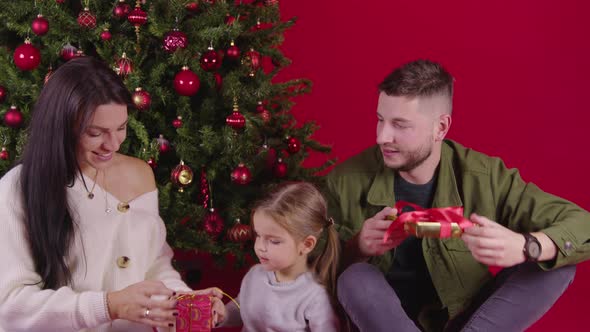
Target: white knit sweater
[101,238]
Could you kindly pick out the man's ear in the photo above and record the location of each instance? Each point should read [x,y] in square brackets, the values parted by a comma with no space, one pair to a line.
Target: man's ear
[443,126]
[308,244]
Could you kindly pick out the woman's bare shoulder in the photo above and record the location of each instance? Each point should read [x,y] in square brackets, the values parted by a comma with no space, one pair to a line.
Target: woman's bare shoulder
[136,172]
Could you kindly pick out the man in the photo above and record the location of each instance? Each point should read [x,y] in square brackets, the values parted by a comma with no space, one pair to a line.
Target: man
[436,284]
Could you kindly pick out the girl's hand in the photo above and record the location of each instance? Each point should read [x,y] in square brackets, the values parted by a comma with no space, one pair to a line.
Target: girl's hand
[217,310]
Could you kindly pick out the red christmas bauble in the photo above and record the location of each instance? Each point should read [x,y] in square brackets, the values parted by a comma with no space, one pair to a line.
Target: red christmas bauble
[181,176]
[137,16]
[218,81]
[210,60]
[122,9]
[60,1]
[293,145]
[261,26]
[192,7]
[235,120]
[68,52]
[213,223]
[177,123]
[152,162]
[163,144]
[27,56]
[265,116]
[4,154]
[239,232]
[263,112]
[204,189]
[40,25]
[280,169]
[124,66]
[13,118]
[105,34]
[252,59]
[229,20]
[241,175]
[2,93]
[173,40]
[186,82]
[141,99]
[233,52]
[86,19]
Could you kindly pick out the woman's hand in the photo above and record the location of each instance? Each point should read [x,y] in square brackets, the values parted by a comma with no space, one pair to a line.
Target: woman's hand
[135,304]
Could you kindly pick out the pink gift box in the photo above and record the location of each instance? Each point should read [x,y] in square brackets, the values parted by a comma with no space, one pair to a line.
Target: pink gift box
[194,313]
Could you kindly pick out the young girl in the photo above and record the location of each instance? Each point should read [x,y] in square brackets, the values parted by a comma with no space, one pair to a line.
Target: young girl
[292,287]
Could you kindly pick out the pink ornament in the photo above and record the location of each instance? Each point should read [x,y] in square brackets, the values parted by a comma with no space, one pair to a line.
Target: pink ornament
[186,82]
[241,175]
[121,10]
[86,19]
[13,118]
[233,52]
[236,120]
[137,17]
[40,25]
[106,35]
[213,223]
[27,56]
[68,52]
[164,144]
[173,40]
[177,123]
[210,60]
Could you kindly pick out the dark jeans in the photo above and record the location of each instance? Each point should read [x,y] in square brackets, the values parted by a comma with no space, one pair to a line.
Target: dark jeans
[517,298]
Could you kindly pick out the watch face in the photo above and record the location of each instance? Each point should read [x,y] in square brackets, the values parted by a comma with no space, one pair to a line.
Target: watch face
[534,249]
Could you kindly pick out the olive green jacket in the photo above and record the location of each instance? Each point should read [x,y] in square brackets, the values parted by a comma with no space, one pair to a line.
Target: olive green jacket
[361,186]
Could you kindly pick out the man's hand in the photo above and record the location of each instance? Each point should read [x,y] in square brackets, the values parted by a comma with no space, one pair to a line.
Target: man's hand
[370,238]
[493,244]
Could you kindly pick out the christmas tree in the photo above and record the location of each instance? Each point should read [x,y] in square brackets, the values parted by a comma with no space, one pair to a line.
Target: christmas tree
[206,107]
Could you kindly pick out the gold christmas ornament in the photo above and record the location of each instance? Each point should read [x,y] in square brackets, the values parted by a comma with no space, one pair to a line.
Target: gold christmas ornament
[181,176]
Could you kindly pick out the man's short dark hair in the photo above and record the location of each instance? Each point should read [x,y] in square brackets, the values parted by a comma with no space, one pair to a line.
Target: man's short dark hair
[420,78]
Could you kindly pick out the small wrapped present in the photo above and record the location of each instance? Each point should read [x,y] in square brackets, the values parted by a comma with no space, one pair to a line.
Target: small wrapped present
[194,313]
[433,223]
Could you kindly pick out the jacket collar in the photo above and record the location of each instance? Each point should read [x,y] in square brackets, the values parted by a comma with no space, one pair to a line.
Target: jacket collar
[447,192]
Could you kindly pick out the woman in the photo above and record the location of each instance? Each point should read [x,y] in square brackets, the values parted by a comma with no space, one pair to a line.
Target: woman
[83,246]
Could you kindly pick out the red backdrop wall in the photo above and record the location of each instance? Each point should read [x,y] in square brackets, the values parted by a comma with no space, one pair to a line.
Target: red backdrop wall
[521,70]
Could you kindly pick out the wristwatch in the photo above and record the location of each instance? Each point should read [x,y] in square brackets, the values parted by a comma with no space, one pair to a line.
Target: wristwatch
[532,248]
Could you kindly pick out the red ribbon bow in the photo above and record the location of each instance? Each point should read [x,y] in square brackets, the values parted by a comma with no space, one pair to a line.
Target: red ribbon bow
[445,216]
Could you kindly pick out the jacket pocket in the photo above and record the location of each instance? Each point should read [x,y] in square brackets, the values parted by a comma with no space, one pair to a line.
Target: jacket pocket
[471,273]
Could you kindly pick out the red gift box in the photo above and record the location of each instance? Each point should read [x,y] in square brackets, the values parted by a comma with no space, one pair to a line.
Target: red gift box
[194,313]
[435,222]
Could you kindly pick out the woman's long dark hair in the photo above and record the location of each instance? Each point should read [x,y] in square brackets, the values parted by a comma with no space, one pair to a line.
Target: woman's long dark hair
[49,163]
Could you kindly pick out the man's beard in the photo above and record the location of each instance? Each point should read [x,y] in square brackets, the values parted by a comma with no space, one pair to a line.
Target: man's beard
[414,159]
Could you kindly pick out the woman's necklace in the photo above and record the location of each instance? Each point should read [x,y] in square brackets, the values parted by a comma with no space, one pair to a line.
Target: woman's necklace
[91,192]
[107,208]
